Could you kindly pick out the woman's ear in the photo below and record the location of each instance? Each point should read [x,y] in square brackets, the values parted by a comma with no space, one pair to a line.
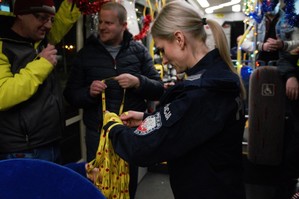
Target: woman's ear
[180,39]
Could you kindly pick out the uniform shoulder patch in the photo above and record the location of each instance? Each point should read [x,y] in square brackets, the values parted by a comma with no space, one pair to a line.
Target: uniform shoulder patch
[150,124]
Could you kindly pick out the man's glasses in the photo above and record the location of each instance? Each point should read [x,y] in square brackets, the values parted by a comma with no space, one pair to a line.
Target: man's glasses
[43,18]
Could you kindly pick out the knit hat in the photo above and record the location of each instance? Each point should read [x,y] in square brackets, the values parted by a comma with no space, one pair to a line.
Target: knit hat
[33,6]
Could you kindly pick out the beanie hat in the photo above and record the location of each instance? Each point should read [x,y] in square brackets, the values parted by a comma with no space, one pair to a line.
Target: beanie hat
[33,6]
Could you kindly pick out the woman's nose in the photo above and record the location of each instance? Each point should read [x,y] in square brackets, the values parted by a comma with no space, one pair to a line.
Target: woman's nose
[164,60]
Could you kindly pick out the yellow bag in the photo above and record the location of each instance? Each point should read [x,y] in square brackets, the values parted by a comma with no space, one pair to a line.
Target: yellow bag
[113,178]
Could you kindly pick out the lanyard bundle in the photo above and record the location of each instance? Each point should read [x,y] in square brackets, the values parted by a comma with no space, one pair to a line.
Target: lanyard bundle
[113,177]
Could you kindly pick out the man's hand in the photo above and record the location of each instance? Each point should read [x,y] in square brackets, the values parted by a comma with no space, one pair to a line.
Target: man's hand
[127,80]
[96,88]
[273,45]
[49,53]
[292,87]
[295,51]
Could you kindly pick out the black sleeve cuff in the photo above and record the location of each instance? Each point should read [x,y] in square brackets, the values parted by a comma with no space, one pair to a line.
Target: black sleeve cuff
[108,125]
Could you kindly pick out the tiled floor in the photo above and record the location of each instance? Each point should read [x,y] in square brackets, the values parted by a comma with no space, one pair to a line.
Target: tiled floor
[154,185]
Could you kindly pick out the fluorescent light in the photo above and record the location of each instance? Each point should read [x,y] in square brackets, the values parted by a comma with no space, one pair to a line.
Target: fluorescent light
[209,11]
[203,3]
[236,8]
[232,2]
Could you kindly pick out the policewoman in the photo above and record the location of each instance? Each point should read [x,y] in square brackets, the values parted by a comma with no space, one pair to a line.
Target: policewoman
[198,128]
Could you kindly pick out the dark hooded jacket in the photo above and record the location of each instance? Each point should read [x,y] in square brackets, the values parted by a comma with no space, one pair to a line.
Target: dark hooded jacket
[94,62]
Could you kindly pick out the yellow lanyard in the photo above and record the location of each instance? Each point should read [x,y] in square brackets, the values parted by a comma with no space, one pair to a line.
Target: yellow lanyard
[104,108]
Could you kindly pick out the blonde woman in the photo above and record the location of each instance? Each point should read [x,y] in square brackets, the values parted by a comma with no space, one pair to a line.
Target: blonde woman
[199,126]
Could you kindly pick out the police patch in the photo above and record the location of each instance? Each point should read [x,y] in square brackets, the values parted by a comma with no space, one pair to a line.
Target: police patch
[150,124]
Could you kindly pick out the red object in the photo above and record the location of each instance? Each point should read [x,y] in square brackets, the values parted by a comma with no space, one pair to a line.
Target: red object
[33,6]
[146,24]
[88,7]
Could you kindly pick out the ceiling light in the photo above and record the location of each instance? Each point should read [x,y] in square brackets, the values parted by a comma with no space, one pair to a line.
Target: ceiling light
[203,3]
[232,2]
[209,11]
[236,8]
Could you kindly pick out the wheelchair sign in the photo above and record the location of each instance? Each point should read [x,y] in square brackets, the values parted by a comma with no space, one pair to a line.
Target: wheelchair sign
[268,89]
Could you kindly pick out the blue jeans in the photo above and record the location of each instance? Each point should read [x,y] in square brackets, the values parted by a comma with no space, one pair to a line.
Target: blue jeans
[50,153]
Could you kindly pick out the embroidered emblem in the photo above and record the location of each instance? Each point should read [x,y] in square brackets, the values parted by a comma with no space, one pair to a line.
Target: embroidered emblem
[167,112]
[150,124]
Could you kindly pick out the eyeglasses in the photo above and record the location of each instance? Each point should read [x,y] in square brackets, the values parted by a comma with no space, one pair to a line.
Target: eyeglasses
[43,18]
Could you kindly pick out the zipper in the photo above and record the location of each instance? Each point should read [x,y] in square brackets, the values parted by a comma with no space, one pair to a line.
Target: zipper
[27,139]
[114,62]
[23,127]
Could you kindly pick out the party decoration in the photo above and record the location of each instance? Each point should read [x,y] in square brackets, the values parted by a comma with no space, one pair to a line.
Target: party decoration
[266,6]
[257,17]
[249,6]
[246,72]
[146,25]
[88,7]
[290,11]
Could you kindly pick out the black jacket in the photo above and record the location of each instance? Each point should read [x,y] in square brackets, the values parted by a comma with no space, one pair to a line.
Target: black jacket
[198,130]
[94,62]
[37,121]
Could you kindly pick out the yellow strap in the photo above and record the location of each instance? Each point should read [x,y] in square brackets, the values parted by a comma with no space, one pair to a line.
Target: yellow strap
[104,107]
[113,177]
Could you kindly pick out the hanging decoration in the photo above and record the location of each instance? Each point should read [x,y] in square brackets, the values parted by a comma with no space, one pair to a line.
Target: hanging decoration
[266,6]
[146,25]
[257,17]
[290,12]
[254,11]
[151,14]
[88,7]
[248,6]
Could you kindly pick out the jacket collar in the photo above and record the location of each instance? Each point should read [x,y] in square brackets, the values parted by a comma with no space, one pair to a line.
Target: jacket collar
[205,63]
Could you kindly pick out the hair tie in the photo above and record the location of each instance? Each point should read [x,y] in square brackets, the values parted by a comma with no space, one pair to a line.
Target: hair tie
[204,21]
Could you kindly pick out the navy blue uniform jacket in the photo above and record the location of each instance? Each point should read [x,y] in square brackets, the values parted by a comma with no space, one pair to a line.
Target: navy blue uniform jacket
[198,130]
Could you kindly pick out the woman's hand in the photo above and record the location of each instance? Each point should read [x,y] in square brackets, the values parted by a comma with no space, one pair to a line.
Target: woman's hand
[132,118]
[92,174]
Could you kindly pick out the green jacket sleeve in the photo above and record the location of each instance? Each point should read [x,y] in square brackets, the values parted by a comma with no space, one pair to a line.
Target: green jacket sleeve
[64,20]
[29,79]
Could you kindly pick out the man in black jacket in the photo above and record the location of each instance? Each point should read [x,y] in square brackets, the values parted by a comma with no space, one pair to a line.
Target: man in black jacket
[125,65]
